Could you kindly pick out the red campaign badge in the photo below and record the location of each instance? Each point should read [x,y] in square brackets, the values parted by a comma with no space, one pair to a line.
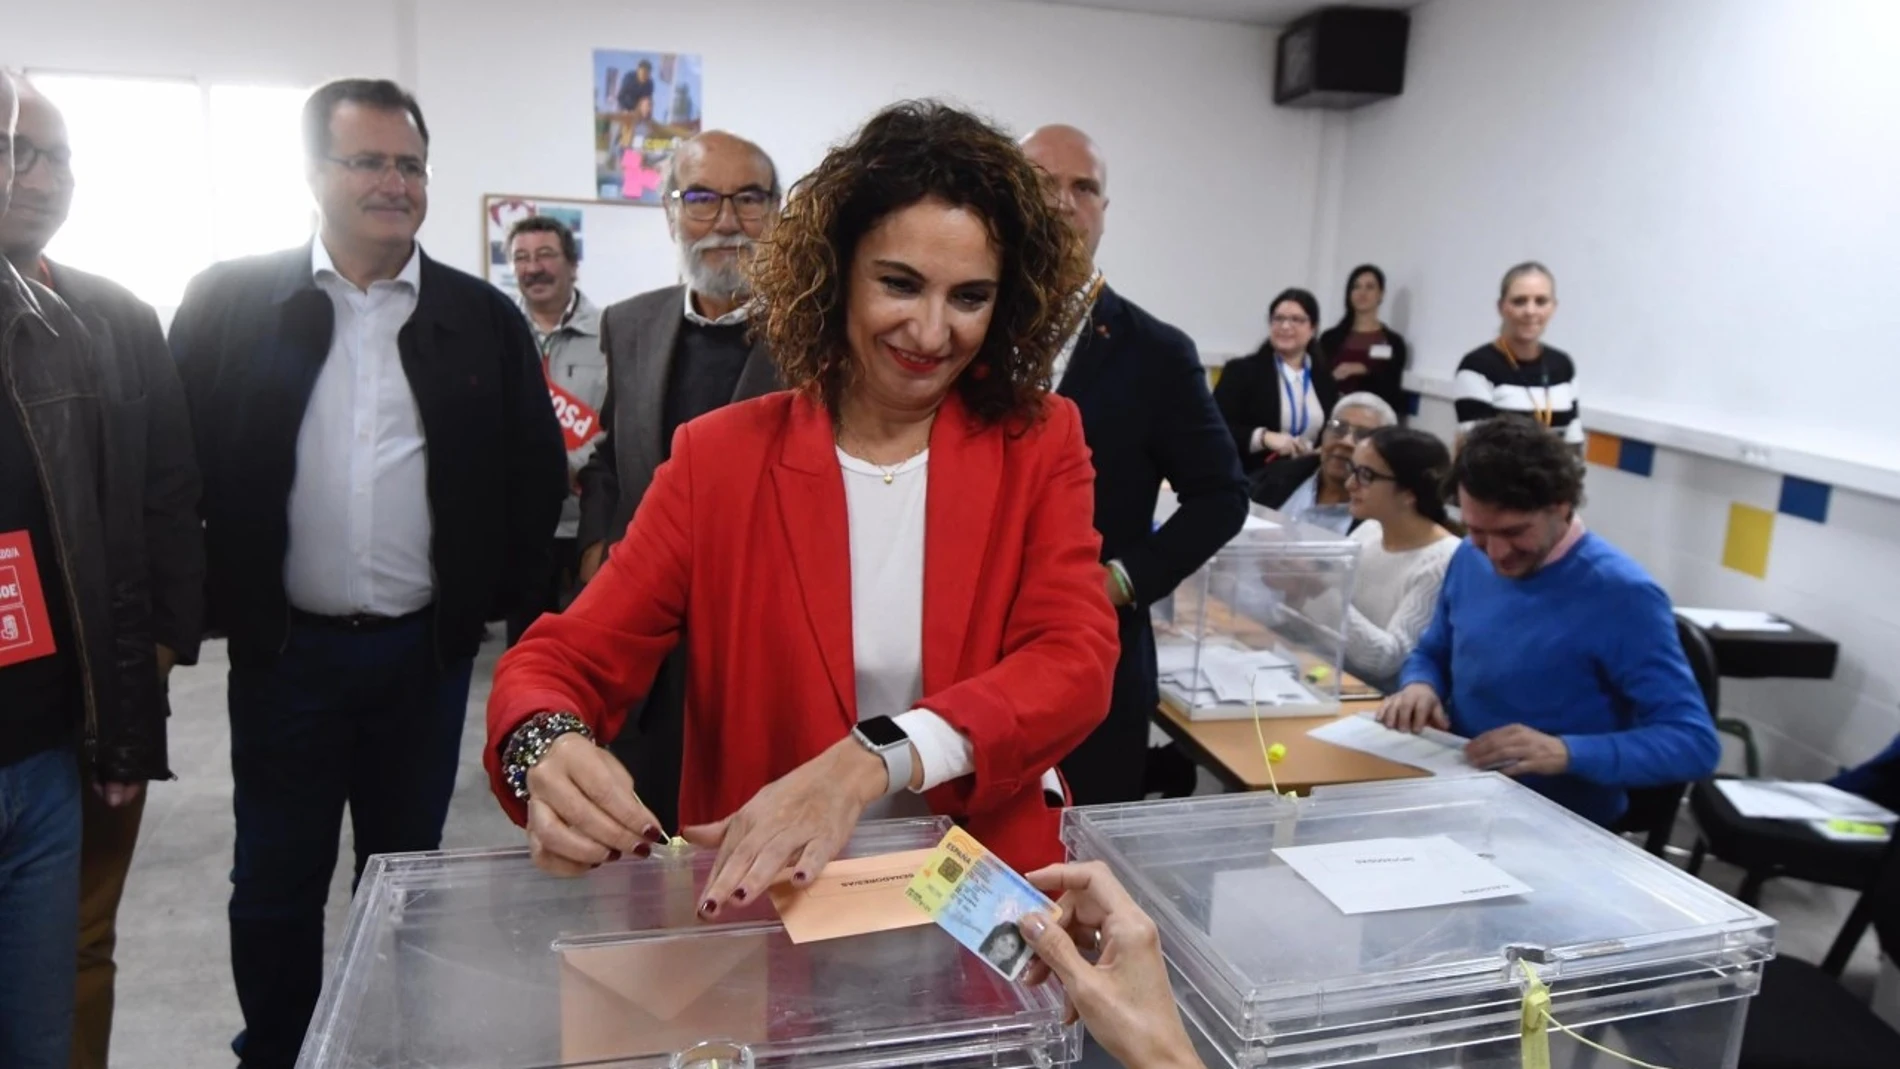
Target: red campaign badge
[579,422]
[26,633]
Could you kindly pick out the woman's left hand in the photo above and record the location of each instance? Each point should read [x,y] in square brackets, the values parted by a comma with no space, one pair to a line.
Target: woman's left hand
[1342,372]
[794,826]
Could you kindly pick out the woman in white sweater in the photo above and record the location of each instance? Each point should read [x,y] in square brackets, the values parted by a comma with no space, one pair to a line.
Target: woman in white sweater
[1406,541]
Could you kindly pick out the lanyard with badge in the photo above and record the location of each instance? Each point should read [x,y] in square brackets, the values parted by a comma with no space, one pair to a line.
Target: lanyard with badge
[1298,418]
[1547,412]
[26,632]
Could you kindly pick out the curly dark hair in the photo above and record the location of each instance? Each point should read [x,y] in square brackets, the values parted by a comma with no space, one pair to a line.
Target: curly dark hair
[909,152]
[1513,463]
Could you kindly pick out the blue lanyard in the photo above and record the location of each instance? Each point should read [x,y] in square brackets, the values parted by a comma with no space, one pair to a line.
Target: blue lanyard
[1297,417]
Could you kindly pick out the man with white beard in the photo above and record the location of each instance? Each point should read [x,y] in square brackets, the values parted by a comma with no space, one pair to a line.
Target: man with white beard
[673,355]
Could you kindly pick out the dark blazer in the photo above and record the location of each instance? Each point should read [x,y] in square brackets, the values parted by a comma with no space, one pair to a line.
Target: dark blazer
[129,347]
[1276,480]
[1147,416]
[1387,377]
[1249,394]
[638,335]
[250,338]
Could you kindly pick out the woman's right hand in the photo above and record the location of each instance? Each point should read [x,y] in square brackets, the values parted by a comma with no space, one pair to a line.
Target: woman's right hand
[1283,444]
[582,809]
[1123,996]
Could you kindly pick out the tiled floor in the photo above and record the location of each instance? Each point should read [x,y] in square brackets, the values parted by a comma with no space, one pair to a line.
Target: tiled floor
[176,1004]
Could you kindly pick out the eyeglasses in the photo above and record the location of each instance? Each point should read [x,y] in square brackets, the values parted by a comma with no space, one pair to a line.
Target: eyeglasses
[26,154]
[704,205]
[1339,428]
[1290,321]
[1366,476]
[373,166]
[540,256]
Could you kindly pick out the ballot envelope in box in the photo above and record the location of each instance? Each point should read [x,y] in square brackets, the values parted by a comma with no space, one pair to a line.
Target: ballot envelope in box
[1296,938]
[1261,627]
[477,960]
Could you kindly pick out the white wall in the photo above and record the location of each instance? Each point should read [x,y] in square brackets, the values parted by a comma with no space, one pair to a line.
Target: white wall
[1711,180]
[1211,187]
[276,42]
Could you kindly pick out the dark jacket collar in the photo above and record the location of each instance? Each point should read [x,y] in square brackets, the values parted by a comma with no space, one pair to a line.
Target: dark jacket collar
[435,298]
[1093,347]
[17,299]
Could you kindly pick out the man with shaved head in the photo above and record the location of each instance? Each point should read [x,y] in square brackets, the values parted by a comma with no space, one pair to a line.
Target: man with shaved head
[81,703]
[129,349]
[673,355]
[1148,417]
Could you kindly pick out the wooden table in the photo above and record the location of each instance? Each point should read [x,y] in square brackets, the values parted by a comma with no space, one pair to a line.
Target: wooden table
[1229,749]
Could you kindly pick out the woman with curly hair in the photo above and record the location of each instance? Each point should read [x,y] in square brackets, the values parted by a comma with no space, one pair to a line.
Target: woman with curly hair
[886,578]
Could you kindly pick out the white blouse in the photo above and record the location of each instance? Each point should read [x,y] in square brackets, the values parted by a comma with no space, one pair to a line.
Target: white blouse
[1393,599]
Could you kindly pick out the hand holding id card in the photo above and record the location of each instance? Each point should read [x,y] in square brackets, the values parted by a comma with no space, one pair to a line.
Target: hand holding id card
[979,901]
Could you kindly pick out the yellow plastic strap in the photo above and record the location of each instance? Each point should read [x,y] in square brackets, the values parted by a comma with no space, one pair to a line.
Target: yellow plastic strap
[1269,755]
[1536,1016]
[1533,1037]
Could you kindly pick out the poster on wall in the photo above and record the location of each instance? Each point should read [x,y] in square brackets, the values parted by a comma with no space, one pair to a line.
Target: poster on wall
[645,104]
[500,212]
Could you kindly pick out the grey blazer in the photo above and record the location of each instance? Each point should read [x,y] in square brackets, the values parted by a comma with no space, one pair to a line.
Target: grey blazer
[639,335]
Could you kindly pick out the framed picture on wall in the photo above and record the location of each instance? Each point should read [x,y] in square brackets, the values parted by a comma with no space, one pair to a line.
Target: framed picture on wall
[645,104]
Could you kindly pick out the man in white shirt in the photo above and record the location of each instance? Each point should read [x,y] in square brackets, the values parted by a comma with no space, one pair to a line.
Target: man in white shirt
[383,472]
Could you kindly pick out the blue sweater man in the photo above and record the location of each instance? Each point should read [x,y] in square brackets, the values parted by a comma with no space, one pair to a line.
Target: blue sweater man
[1550,648]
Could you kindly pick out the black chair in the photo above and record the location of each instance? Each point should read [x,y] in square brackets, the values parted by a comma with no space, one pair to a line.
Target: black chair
[1804,1019]
[1770,849]
[1652,810]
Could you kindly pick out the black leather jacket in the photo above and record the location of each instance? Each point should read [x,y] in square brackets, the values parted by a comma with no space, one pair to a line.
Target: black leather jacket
[86,428]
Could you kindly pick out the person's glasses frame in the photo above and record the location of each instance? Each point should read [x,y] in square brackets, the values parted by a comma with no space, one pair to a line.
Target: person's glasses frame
[1339,428]
[1289,321]
[26,154]
[373,166]
[1365,476]
[703,205]
[538,257]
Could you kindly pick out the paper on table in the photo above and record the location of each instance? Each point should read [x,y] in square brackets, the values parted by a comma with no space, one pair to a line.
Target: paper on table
[1439,752]
[1377,875]
[852,897]
[1760,799]
[1262,675]
[1735,619]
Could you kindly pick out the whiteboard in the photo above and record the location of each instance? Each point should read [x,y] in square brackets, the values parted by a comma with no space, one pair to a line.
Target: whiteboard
[625,248]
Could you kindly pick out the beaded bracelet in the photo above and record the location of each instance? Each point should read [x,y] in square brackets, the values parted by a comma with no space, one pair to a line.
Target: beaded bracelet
[530,743]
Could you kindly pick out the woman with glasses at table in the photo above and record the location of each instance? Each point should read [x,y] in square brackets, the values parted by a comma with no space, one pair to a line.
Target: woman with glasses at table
[1406,541]
[1276,400]
[1517,373]
[1311,488]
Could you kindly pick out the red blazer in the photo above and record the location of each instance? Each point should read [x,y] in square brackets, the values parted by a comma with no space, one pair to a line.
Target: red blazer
[742,541]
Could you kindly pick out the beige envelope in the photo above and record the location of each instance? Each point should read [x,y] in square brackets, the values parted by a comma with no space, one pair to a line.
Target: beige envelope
[661,994]
[853,897]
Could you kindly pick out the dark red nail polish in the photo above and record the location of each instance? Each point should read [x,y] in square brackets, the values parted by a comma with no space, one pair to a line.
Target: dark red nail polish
[655,835]
[799,877]
[643,851]
[739,895]
[707,908]
[612,856]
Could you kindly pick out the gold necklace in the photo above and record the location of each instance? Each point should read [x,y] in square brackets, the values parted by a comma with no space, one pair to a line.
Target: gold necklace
[889,473]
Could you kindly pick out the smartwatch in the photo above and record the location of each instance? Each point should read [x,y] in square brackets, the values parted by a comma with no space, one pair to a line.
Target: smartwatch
[882,736]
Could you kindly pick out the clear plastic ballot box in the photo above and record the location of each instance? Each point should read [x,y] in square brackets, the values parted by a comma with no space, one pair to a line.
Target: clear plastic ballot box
[477,960]
[1261,626]
[1637,955]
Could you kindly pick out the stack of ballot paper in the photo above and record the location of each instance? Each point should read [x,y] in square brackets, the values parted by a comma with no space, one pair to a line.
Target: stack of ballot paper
[1234,680]
[1830,811]
[1439,752]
